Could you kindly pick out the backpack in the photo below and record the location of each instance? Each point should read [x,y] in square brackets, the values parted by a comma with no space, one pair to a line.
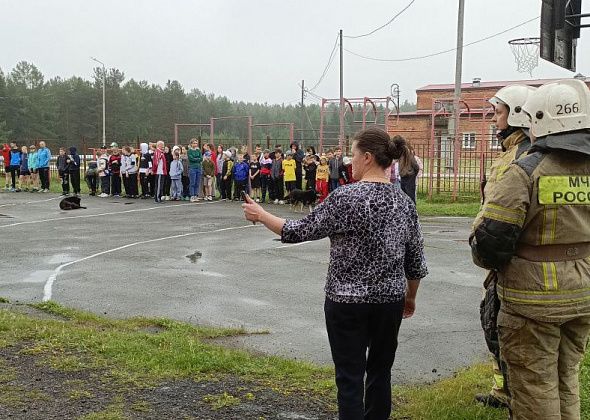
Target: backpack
[241,171]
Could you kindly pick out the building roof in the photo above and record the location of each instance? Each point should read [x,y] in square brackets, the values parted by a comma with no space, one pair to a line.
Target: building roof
[428,112]
[490,85]
[418,112]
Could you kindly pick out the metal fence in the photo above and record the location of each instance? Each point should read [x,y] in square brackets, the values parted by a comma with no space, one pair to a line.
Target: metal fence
[453,164]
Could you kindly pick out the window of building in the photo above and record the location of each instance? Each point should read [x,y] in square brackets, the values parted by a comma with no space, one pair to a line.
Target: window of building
[468,140]
[494,142]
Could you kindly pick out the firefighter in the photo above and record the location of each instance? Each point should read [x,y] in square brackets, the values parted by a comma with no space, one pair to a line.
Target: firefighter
[535,234]
[513,125]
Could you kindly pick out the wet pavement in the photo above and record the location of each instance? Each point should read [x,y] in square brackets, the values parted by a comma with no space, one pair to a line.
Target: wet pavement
[203,263]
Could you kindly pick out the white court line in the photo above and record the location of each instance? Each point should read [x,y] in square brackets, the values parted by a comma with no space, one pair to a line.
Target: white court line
[85,216]
[292,245]
[47,289]
[29,202]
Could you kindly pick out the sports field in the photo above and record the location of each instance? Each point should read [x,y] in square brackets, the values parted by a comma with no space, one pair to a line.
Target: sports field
[203,263]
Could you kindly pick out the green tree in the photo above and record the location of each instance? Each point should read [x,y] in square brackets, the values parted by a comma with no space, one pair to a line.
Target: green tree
[5,133]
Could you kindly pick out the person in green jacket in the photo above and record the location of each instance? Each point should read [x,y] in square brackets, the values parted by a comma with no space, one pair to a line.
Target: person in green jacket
[208,175]
[195,168]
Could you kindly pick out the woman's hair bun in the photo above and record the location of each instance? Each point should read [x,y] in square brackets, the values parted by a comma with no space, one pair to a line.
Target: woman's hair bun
[377,142]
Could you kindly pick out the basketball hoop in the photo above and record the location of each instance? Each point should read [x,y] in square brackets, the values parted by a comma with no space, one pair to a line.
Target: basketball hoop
[526,53]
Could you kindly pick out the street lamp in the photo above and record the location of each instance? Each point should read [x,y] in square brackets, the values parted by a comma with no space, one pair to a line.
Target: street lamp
[104,82]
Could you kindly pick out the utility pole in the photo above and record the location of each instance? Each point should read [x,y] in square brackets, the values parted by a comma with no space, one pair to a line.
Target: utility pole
[341,134]
[104,82]
[457,97]
[302,113]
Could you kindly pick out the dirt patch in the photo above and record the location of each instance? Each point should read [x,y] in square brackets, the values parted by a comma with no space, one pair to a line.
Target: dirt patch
[31,311]
[34,388]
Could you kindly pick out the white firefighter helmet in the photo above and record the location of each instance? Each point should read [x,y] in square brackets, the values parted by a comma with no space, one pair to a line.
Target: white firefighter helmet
[514,97]
[559,107]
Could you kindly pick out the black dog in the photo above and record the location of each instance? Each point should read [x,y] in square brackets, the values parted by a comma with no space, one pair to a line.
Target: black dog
[303,198]
[70,203]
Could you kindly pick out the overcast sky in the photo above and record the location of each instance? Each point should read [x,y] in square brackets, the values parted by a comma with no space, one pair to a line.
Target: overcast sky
[259,50]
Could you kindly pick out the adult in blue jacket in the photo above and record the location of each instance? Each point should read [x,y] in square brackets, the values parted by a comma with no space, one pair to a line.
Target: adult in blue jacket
[43,159]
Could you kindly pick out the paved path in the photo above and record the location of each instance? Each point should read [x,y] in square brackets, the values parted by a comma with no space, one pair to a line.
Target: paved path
[203,263]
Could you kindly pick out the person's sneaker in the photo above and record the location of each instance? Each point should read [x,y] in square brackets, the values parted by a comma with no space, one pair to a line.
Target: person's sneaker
[103,195]
[276,201]
[12,190]
[281,202]
[257,200]
[17,190]
[489,400]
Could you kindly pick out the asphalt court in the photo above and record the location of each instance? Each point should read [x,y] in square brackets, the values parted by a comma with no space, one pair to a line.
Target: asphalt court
[204,263]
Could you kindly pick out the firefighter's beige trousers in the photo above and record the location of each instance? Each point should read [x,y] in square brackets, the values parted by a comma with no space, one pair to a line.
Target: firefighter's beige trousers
[543,363]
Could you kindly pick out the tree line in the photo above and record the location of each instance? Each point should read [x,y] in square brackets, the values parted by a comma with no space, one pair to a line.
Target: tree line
[66,110]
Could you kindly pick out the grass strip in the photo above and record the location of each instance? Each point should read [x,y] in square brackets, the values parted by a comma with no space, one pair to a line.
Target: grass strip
[141,352]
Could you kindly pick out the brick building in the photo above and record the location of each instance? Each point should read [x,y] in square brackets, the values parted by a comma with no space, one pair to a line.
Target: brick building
[429,124]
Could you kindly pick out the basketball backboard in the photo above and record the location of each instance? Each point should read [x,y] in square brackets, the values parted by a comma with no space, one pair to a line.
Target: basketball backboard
[560,30]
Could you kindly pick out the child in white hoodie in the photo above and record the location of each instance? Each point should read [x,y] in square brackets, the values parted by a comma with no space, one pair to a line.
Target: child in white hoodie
[103,173]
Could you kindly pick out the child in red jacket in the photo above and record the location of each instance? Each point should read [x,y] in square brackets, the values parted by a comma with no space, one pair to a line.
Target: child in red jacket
[6,157]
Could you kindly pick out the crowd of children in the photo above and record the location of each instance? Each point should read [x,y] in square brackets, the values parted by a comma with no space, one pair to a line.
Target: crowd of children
[193,173]
[190,172]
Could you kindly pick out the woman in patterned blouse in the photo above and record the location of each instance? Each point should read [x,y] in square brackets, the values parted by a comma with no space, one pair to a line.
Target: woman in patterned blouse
[376,263]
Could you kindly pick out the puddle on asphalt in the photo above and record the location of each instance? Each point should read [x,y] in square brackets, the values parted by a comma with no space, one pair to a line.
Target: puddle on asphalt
[40,276]
[254,302]
[193,258]
[59,259]
[5,216]
[211,274]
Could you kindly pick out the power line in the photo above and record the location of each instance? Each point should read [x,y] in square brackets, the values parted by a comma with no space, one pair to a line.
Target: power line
[310,124]
[313,94]
[382,26]
[327,65]
[441,52]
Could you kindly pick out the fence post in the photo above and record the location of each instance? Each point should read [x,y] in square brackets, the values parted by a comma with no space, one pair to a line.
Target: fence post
[211,130]
[85,151]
